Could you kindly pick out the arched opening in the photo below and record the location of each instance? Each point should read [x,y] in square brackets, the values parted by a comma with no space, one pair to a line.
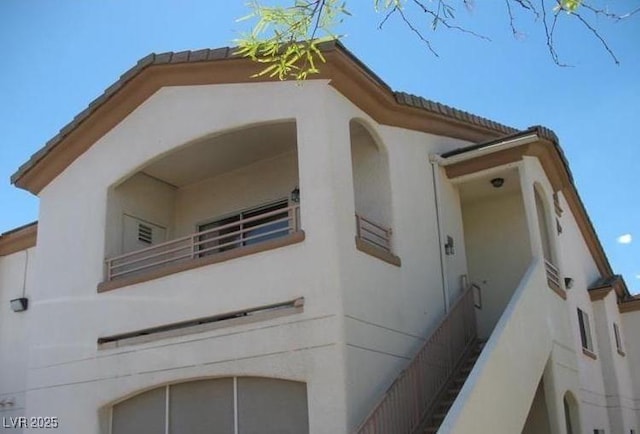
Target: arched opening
[542,213]
[571,416]
[538,418]
[543,224]
[222,192]
[240,405]
[371,187]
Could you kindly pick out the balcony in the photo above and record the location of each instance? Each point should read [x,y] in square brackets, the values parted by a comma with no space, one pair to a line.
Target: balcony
[216,199]
[238,234]
[374,239]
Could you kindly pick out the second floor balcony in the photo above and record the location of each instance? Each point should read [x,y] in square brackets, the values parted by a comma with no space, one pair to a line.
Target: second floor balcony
[216,199]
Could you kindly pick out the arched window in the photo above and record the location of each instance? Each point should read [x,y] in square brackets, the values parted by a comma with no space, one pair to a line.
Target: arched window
[240,405]
[371,187]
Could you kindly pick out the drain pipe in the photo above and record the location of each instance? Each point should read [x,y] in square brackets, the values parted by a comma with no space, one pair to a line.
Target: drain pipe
[435,164]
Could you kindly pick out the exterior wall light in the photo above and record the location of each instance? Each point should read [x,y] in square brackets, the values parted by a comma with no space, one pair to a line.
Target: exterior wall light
[295,195]
[8,402]
[19,304]
[448,248]
[568,282]
[497,182]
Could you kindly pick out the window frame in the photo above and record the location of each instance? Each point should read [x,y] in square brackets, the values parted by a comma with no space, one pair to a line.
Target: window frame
[173,400]
[617,336]
[586,337]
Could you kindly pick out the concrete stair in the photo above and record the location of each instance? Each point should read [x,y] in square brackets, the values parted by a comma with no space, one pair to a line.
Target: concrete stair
[446,399]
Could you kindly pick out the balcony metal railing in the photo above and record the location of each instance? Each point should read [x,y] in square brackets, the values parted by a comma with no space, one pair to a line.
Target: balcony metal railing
[374,233]
[414,392]
[553,274]
[244,231]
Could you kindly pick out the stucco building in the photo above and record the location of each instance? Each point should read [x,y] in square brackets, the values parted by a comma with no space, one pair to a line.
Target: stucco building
[217,253]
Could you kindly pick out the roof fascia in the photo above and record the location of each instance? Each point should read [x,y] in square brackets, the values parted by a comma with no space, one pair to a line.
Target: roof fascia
[18,239]
[551,157]
[345,72]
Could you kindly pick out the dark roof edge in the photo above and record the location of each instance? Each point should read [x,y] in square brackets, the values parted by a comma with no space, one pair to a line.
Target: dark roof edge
[230,53]
[18,229]
[612,282]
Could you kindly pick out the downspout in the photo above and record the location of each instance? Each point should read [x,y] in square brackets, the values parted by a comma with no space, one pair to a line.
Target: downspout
[433,159]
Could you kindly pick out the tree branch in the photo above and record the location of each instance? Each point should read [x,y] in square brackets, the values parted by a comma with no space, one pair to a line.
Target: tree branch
[417,32]
[437,18]
[598,36]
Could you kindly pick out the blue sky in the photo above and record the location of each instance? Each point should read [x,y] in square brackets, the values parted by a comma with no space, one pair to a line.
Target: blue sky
[58,55]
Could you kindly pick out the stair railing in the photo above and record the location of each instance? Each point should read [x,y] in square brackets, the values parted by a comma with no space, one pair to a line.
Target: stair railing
[411,396]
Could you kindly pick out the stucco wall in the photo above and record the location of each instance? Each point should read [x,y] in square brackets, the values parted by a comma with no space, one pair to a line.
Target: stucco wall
[615,369]
[73,379]
[370,169]
[388,310]
[451,222]
[141,197]
[498,252]
[16,277]
[572,369]
[363,318]
[249,186]
[631,323]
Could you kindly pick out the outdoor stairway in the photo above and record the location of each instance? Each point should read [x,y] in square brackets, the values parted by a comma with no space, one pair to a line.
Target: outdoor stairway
[447,398]
[407,403]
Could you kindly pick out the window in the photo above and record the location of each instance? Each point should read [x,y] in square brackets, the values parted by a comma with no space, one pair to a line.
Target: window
[241,405]
[585,330]
[245,228]
[616,334]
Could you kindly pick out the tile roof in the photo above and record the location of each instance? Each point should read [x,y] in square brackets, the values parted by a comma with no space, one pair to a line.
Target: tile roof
[225,53]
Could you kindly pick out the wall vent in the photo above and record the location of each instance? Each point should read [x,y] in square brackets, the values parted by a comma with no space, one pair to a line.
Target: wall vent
[145,233]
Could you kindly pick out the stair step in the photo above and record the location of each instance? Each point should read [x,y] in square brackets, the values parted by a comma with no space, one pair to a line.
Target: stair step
[447,400]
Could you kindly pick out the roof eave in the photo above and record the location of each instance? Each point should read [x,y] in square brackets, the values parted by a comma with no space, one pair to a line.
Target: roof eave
[407,110]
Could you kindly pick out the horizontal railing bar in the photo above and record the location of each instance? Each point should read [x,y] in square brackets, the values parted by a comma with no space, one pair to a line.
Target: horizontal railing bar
[239,232]
[175,258]
[554,279]
[372,223]
[153,264]
[145,258]
[153,247]
[551,265]
[382,246]
[188,237]
[240,241]
[552,271]
[247,220]
[384,237]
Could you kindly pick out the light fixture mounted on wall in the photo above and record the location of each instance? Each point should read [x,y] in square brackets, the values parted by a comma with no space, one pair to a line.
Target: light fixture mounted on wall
[568,282]
[295,195]
[7,402]
[448,248]
[497,182]
[19,304]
